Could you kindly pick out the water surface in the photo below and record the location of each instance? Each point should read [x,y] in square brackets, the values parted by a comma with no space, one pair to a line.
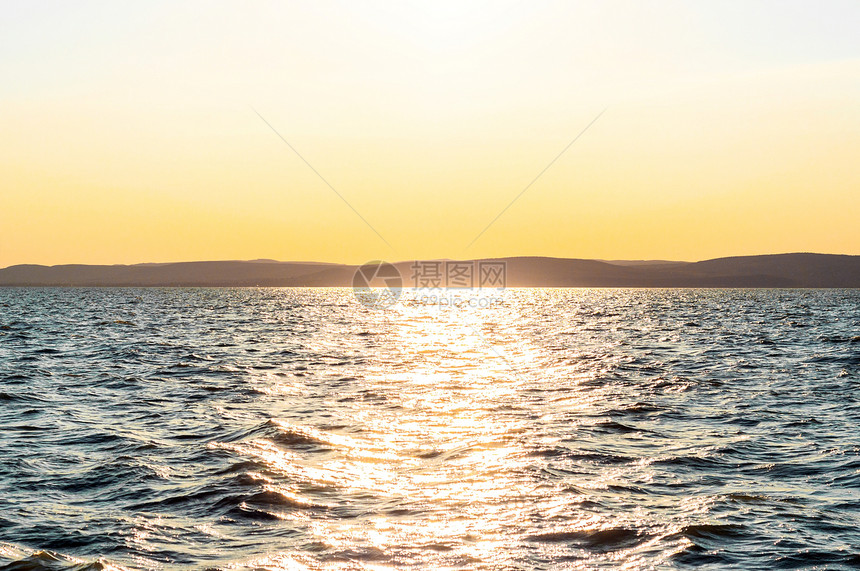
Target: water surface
[296,428]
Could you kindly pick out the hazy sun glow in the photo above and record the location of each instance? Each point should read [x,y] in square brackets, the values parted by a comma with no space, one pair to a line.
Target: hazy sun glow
[129,133]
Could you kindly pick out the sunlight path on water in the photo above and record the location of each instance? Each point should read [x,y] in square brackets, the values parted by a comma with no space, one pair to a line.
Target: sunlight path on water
[443,455]
[447,455]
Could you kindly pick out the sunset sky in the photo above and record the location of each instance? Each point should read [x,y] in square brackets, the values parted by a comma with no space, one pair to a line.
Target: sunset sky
[129,131]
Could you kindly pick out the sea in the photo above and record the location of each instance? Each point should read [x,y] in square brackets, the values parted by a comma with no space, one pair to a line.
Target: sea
[279,428]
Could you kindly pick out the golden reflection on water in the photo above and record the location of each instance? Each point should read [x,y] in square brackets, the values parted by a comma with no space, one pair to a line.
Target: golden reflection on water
[456,378]
[441,454]
[445,457]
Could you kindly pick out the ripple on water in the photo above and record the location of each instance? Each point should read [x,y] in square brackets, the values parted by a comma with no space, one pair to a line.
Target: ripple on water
[288,428]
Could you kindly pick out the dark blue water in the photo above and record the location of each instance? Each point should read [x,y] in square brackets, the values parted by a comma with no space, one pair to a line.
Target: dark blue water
[298,429]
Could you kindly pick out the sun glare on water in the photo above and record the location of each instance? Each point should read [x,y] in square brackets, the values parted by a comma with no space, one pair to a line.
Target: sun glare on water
[448,453]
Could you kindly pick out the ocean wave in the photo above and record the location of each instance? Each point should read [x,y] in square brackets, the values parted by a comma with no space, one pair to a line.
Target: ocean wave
[288,428]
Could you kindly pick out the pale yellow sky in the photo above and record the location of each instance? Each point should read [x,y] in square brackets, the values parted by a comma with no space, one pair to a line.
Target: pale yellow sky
[129,132]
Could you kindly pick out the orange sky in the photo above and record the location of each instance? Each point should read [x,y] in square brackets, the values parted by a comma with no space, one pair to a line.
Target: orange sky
[129,134]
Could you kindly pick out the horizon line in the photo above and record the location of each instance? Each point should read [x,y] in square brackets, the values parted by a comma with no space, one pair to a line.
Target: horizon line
[316,262]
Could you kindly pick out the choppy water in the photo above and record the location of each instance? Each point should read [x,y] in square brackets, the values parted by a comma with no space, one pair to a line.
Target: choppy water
[282,429]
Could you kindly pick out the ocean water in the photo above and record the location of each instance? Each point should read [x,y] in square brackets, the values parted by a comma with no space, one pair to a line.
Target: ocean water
[556,429]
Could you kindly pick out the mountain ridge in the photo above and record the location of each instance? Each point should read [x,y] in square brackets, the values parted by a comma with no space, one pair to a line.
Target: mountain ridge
[804,270]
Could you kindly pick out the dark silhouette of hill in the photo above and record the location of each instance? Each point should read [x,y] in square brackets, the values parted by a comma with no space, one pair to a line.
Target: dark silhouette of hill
[777,270]
[231,273]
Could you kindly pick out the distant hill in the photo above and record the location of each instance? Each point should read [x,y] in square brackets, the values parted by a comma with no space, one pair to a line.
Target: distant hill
[231,273]
[777,270]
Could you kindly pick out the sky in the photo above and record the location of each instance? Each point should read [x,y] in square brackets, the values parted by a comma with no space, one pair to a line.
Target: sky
[348,131]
